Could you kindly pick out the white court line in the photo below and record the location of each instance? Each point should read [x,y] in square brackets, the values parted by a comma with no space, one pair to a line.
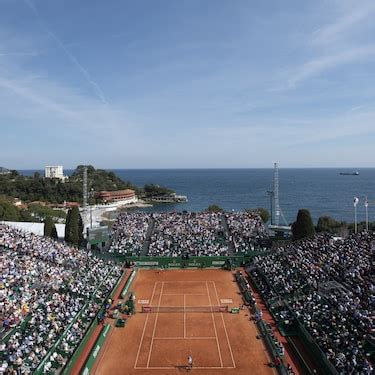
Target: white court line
[144,327]
[181,294]
[225,328]
[213,321]
[102,352]
[174,367]
[187,281]
[185,338]
[184,316]
[156,320]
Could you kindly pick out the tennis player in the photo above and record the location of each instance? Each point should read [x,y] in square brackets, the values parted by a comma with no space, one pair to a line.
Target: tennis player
[190,362]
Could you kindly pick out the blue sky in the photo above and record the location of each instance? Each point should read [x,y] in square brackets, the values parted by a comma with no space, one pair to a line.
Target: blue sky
[173,83]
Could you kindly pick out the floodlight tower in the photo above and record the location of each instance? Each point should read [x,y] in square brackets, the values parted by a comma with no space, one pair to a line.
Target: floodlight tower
[276,211]
[85,192]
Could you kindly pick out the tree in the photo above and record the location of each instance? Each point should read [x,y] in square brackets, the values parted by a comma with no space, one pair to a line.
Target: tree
[329,225]
[74,234]
[8,211]
[67,226]
[262,212]
[35,188]
[74,227]
[303,227]
[214,208]
[48,226]
[152,190]
[54,233]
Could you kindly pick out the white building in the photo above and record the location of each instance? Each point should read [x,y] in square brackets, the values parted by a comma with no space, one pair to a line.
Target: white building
[54,172]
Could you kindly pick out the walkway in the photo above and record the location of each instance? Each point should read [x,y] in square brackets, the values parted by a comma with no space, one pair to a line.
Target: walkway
[290,356]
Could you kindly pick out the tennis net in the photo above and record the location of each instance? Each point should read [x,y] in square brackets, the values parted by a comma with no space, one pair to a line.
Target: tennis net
[184,309]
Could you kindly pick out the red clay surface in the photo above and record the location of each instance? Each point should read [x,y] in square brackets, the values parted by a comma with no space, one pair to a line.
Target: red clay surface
[159,343]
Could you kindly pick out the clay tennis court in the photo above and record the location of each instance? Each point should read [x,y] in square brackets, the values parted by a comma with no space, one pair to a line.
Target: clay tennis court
[159,342]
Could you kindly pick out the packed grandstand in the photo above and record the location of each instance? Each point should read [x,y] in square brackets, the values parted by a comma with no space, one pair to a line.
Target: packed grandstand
[325,284]
[51,292]
[192,233]
[48,289]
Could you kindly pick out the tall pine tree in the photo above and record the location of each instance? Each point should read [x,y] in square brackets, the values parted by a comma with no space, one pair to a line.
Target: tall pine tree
[74,227]
[54,233]
[303,227]
[67,226]
[48,226]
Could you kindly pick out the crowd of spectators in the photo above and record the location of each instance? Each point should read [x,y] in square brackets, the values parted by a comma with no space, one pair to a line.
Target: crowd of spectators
[246,230]
[48,291]
[178,233]
[339,317]
[197,234]
[129,233]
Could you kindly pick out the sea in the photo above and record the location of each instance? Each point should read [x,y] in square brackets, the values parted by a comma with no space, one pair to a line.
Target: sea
[322,191]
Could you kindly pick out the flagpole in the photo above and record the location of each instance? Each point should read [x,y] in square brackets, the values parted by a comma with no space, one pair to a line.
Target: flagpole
[355,202]
[366,207]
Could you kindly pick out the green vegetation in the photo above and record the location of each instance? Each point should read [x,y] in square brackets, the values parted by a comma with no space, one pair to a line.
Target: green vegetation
[100,179]
[10,212]
[327,224]
[303,227]
[151,190]
[42,212]
[74,227]
[36,188]
[214,208]
[48,226]
[54,233]
[262,212]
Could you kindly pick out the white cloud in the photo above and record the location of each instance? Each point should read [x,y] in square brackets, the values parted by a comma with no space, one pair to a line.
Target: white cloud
[96,88]
[324,63]
[32,99]
[351,18]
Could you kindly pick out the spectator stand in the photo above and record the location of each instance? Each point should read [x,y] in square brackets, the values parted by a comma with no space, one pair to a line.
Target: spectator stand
[150,231]
[224,224]
[57,346]
[323,364]
[324,286]
[274,347]
[90,334]
[190,234]
[115,310]
[289,327]
[7,333]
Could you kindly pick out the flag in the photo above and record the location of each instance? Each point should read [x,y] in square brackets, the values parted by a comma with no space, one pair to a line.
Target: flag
[366,203]
[355,201]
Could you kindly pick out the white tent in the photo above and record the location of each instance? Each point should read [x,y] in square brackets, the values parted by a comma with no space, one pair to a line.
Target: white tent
[36,228]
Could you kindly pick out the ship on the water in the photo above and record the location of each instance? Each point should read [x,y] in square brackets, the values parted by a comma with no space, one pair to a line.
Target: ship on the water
[349,173]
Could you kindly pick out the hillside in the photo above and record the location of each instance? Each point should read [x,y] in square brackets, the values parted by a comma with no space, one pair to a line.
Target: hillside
[38,188]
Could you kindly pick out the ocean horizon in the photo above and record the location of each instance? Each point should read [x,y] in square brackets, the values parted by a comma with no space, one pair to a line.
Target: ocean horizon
[323,191]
